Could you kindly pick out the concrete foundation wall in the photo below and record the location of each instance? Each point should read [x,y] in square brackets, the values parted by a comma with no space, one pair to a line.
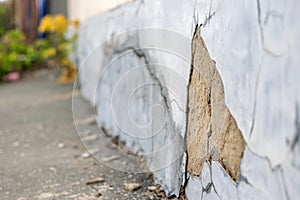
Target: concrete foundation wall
[241,105]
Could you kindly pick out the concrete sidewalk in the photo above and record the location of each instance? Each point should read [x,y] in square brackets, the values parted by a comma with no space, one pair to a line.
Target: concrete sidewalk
[41,156]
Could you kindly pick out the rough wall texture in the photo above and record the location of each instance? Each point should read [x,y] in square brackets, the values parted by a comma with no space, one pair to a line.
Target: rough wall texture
[255,47]
[212,133]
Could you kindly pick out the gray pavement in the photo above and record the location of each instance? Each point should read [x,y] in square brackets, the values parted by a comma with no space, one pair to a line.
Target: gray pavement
[41,156]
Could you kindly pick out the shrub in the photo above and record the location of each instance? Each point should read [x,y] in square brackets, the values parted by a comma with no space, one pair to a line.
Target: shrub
[17,55]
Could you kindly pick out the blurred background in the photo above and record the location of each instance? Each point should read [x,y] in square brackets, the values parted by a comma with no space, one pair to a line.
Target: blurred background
[43,33]
[26,14]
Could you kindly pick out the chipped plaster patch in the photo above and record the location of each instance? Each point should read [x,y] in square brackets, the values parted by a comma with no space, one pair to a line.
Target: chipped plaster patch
[212,133]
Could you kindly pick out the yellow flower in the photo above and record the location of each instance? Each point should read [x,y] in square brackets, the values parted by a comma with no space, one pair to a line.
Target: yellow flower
[47,24]
[66,62]
[49,53]
[61,24]
[76,23]
[62,47]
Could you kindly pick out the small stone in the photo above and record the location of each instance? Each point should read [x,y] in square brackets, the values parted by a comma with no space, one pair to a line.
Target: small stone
[132,186]
[95,181]
[52,169]
[111,188]
[86,155]
[46,196]
[61,145]
[152,188]
[16,144]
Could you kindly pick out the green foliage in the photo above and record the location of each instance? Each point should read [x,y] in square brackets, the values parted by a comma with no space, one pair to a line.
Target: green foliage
[17,55]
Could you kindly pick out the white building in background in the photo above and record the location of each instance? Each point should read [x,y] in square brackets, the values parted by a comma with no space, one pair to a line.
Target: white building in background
[82,9]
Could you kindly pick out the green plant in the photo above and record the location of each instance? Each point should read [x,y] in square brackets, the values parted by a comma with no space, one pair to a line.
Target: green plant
[17,55]
[12,52]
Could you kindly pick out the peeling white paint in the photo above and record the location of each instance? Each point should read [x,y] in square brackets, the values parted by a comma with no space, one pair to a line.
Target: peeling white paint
[256,48]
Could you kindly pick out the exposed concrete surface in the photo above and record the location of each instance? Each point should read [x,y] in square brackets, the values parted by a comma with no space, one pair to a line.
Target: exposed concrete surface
[212,133]
[41,156]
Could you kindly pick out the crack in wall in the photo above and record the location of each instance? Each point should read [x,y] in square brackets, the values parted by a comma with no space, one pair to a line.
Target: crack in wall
[212,132]
[297,126]
[149,67]
[259,21]
[255,102]
[245,180]
[210,14]
[259,69]
[178,106]
[140,54]
[260,24]
[284,183]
